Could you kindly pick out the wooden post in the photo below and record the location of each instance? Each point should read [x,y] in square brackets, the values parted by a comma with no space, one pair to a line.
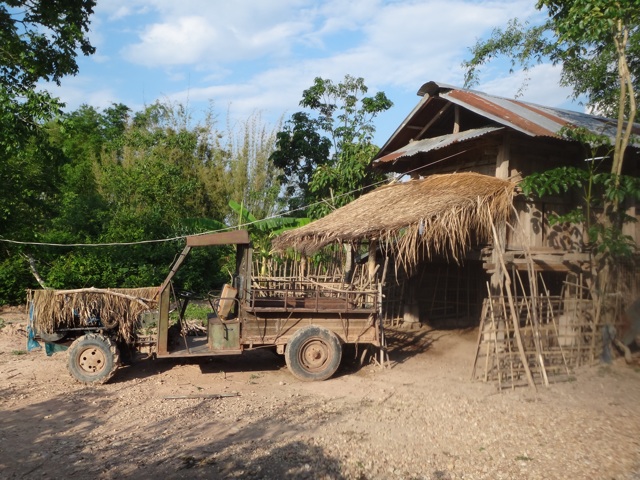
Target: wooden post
[372,260]
[348,263]
[303,265]
[456,122]
[500,232]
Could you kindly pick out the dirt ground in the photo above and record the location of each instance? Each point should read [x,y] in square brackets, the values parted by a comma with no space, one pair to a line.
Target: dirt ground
[420,418]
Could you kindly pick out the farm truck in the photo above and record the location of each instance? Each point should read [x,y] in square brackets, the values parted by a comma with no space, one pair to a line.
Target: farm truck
[308,321]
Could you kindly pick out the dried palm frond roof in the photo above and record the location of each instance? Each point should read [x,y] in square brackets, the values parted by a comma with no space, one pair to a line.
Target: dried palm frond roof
[439,213]
[117,308]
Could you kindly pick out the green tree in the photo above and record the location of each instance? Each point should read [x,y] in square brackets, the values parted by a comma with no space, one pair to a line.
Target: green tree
[130,178]
[252,179]
[40,41]
[597,42]
[333,166]
[301,149]
[114,176]
[262,231]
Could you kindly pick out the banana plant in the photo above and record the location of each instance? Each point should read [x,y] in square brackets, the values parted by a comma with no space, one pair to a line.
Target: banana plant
[262,231]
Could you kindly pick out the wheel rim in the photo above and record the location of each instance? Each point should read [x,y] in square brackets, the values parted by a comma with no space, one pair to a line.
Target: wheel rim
[92,360]
[314,355]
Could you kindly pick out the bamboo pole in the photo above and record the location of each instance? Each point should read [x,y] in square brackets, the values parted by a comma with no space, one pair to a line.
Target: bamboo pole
[479,342]
[553,320]
[516,326]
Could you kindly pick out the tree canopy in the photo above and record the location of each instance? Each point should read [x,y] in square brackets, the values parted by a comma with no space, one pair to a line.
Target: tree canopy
[325,153]
[117,176]
[40,41]
[597,44]
[579,35]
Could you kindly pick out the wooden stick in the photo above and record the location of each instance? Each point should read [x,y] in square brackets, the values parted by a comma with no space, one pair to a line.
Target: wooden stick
[34,271]
[480,333]
[555,327]
[533,288]
[516,326]
[141,301]
[204,395]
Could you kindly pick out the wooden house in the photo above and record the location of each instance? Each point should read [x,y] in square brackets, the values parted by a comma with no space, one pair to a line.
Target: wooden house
[455,276]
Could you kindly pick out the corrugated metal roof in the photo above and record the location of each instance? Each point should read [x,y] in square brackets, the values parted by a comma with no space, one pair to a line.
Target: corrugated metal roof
[435,143]
[528,118]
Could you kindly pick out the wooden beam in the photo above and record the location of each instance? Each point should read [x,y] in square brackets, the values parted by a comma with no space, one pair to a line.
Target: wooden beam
[232,237]
[435,118]
[456,122]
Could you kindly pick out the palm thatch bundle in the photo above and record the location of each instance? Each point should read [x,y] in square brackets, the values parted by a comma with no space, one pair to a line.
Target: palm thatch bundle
[439,214]
[114,308]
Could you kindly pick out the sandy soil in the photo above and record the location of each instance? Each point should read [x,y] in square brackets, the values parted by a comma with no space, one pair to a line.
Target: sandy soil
[420,418]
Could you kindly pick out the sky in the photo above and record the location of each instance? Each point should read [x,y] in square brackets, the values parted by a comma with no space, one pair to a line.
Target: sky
[248,57]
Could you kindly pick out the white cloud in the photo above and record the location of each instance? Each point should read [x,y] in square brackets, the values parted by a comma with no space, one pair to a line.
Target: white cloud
[196,32]
[259,56]
[540,85]
[184,41]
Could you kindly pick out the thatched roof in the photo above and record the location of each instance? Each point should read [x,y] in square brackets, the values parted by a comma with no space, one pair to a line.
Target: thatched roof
[440,214]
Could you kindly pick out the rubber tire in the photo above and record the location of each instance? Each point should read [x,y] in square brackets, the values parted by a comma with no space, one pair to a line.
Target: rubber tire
[93,344]
[313,340]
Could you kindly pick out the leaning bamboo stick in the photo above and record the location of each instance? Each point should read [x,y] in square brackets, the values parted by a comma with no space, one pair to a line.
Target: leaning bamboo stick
[516,327]
[533,289]
[479,342]
[555,327]
[507,334]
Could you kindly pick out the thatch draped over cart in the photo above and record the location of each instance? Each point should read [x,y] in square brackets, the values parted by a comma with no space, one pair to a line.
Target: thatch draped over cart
[439,214]
[117,308]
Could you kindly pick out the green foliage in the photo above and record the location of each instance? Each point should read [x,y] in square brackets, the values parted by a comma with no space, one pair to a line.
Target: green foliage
[262,231]
[600,192]
[112,176]
[604,229]
[557,180]
[342,181]
[301,149]
[40,40]
[271,226]
[194,311]
[325,157]
[15,278]
[580,35]
[523,45]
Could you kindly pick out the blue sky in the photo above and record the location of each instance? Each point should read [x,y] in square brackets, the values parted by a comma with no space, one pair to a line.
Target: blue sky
[251,56]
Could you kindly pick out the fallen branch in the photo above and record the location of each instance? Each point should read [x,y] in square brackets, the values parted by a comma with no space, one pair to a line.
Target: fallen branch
[34,270]
[142,301]
[205,395]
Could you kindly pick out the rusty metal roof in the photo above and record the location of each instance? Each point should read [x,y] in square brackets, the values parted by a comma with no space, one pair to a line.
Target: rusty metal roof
[527,118]
[530,119]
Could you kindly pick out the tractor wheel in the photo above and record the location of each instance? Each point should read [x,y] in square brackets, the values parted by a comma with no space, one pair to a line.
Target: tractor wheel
[313,353]
[93,358]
